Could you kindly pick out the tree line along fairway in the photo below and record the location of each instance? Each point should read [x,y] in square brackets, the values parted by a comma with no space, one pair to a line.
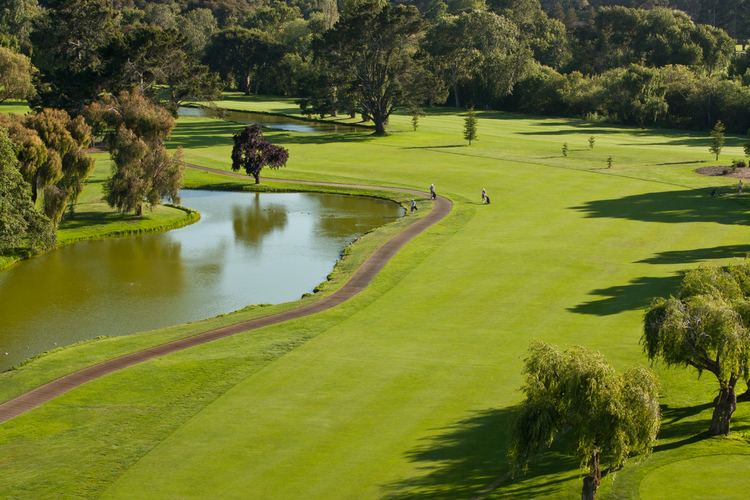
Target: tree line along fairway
[407,390]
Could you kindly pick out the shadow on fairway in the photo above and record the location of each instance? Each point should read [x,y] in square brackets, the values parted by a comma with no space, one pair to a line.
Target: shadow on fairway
[671,207]
[698,255]
[680,426]
[635,295]
[463,459]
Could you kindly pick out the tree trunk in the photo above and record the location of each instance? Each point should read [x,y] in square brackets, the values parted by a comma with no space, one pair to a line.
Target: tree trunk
[593,480]
[257,177]
[247,85]
[726,403]
[139,211]
[455,86]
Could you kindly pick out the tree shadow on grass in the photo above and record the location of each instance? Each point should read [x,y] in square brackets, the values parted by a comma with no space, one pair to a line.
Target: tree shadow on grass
[698,255]
[461,460]
[672,207]
[682,426]
[635,295]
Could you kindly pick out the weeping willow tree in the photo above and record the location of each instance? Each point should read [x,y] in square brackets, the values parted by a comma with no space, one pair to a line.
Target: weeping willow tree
[704,327]
[144,172]
[609,416]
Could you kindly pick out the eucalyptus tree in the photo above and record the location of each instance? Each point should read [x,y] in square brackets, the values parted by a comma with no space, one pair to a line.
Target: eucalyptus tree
[243,55]
[156,62]
[67,50]
[143,171]
[373,54]
[610,416]
[704,327]
[484,54]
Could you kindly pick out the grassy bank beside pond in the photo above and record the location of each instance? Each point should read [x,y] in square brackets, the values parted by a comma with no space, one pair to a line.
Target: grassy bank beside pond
[92,217]
[408,390]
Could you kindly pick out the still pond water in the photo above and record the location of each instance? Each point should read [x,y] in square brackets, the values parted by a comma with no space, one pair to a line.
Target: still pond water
[276,122]
[248,248]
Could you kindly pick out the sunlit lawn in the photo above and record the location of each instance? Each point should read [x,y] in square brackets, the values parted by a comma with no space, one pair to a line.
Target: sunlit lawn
[407,390]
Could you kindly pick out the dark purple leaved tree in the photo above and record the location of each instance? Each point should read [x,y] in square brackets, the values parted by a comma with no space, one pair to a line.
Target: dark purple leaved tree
[252,152]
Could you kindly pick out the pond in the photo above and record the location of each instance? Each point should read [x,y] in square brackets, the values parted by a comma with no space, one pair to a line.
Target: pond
[274,121]
[248,248]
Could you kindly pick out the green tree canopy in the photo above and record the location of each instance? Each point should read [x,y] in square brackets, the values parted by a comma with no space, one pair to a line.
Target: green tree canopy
[20,223]
[483,53]
[252,152]
[703,326]
[143,171]
[51,157]
[611,416]
[68,43]
[374,52]
[16,73]
[243,55]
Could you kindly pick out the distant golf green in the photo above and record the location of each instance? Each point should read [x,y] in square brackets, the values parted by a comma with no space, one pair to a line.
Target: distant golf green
[407,390]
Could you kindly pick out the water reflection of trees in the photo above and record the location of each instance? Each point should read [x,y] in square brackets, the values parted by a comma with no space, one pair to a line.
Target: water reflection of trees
[153,260]
[252,222]
[343,216]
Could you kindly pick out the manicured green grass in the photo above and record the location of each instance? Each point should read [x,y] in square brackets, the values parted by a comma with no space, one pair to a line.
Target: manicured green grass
[15,107]
[407,390]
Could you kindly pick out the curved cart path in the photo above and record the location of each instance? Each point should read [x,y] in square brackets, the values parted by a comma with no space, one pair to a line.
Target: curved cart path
[359,280]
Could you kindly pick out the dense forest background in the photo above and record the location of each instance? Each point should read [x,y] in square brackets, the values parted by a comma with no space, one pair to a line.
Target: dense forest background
[678,63]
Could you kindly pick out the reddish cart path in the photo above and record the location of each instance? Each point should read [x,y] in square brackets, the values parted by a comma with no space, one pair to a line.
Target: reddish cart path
[359,280]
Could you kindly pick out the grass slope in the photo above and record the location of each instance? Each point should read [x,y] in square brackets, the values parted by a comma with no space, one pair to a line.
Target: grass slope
[407,390]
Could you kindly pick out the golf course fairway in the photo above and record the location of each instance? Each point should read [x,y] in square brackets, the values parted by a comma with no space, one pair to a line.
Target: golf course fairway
[406,391]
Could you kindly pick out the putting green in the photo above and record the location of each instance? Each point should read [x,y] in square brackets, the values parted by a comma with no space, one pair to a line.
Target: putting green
[699,478]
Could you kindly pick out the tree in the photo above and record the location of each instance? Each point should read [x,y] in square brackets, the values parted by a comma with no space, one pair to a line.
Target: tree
[134,129]
[153,58]
[592,141]
[484,53]
[640,93]
[416,113]
[68,44]
[242,54]
[373,52]
[565,149]
[746,149]
[50,157]
[16,73]
[704,327]
[20,222]
[470,126]
[611,416]
[717,135]
[252,152]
